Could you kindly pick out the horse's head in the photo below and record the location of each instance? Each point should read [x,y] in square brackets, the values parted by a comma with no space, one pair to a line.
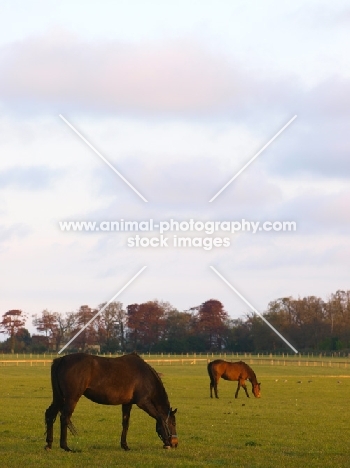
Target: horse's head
[166,430]
[256,389]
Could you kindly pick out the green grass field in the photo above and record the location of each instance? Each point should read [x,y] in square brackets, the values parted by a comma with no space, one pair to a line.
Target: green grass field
[292,425]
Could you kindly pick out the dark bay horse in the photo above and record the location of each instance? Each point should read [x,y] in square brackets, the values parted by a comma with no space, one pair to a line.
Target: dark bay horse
[125,381]
[232,371]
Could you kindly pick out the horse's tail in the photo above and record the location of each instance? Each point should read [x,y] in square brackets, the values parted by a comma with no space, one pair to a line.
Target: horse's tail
[58,396]
[210,372]
[56,389]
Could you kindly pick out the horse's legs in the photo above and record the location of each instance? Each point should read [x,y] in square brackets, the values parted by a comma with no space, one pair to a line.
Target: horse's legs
[50,416]
[66,414]
[216,381]
[238,387]
[241,383]
[213,385]
[125,422]
[245,389]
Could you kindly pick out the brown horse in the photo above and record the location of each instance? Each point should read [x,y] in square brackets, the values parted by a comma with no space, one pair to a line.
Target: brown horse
[232,371]
[108,381]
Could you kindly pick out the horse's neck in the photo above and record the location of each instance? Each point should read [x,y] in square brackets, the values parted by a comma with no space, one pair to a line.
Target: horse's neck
[162,401]
[163,406]
[252,378]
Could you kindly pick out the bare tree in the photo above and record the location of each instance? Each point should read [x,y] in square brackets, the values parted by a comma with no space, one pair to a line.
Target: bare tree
[110,326]
[89,335]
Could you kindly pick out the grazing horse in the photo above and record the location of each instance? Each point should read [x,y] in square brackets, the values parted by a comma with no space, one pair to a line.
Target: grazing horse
[232,371]
[108,381]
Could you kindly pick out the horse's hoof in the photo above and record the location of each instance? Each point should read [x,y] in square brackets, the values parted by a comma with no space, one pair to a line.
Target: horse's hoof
[67,449]
[47,448]
[125,447]
[166,447]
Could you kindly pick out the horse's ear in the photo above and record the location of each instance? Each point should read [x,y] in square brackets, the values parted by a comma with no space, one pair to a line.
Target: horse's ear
[173,411]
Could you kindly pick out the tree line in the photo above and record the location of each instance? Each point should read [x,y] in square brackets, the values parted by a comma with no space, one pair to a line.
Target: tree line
[308,323]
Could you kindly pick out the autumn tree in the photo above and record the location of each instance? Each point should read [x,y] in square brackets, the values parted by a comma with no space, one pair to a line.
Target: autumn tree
[133,319]
[146,324]
[211,323]
[47,323]
[12,322]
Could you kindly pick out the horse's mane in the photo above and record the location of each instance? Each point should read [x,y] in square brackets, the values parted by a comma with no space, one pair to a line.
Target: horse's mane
[159,380]
[253,376]
[156,375]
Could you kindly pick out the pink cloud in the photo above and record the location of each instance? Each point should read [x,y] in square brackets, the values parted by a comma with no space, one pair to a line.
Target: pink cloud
[176,76]
[167,77]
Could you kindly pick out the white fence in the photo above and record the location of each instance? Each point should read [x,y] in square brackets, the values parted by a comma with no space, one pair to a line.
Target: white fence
[202,361]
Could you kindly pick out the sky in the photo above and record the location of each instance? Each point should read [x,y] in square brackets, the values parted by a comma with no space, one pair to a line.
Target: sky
[177,97]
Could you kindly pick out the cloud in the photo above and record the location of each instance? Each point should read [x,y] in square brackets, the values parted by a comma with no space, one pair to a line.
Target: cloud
[182,79]
[320,213]
[176,77]
[330,98]
[316,148]
[17,230]
[29,178]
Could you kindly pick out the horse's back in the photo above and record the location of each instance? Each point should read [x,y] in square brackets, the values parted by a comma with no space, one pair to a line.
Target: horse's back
[217,368]
[230,370]
[85,363]
[241,369]
[104,380]
[72,373]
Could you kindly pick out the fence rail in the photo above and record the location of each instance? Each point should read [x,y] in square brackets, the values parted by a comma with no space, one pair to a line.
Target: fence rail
[195,360]
[30,362]
[256,361]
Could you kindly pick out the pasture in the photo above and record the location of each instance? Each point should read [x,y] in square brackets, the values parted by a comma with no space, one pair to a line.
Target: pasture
[293,424]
